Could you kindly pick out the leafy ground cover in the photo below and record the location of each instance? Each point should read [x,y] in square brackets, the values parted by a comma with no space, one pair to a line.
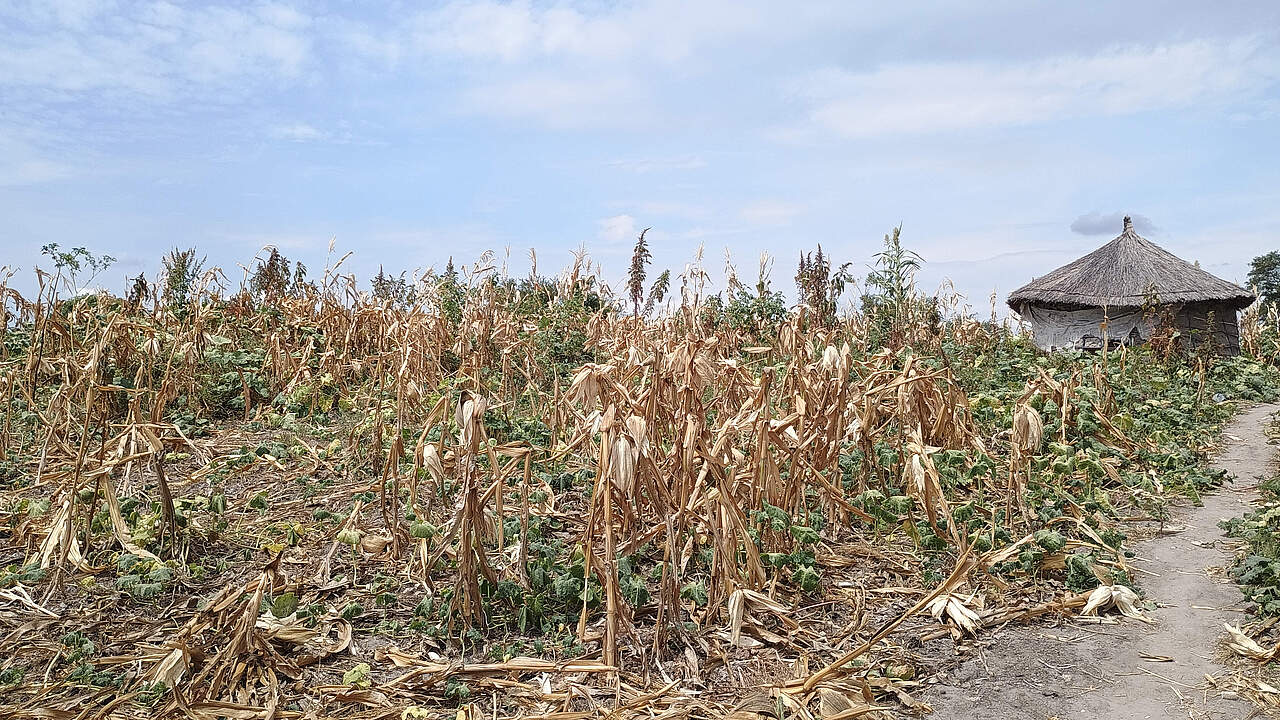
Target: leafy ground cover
[1258,568]
[514,497]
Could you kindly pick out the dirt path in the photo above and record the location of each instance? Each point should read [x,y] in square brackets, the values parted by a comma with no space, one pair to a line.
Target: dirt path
[1099,671]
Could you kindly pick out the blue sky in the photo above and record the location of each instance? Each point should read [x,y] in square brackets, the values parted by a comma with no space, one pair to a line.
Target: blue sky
[415,132]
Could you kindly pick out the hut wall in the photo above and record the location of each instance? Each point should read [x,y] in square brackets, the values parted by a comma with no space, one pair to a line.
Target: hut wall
[1197,323]
[1214,323]
[1076,329]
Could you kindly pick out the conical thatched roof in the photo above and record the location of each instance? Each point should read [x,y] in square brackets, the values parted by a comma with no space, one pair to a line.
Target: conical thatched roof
[1125,273]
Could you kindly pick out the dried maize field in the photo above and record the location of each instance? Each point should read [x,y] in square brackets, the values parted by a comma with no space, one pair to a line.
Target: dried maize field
[525,498]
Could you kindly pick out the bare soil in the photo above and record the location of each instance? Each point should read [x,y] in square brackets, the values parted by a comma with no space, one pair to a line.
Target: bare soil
[1132,670]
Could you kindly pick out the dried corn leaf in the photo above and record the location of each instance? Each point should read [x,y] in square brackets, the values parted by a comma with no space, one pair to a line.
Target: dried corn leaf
[1245,646]
[1117,597]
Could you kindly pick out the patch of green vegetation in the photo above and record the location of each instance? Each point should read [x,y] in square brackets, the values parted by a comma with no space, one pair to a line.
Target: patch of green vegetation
[284,605]
[151,695]
[141,578]
[306,398]
[12,676]
[229,372]
[1050,541]
[352,610]
[695,592]
[800,563]
[24,575]
[77,646]
[88,674]
[457,690]
[1080,575]
[1257,570]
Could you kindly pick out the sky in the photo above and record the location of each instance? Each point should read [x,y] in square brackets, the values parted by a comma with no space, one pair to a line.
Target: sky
[1006,137]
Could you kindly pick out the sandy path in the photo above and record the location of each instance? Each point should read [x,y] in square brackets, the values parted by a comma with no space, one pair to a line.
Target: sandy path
[1098,671]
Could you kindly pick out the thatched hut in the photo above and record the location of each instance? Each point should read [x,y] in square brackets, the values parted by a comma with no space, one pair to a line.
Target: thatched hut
[1124,291]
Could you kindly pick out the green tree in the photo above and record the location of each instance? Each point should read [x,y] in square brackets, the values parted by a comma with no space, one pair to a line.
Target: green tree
[891,284]
[891,302]
[1264,274]
[181,272]
[71,263]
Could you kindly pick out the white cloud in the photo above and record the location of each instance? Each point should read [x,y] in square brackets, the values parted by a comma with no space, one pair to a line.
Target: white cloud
[157,50]
[933,97]
[568,68]
[299,132]
[666,31]
[618,229]
[303,132]
[515,31]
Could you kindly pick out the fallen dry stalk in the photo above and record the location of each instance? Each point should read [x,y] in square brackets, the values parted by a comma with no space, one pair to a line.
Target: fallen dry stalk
[963,566]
